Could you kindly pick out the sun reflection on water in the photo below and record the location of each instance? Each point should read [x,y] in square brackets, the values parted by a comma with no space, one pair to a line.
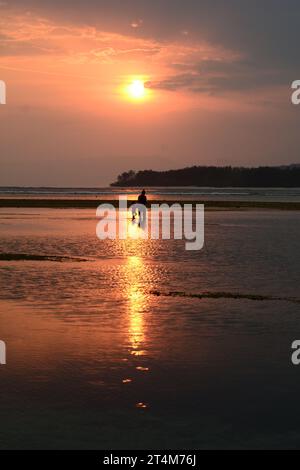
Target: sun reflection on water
[137,303]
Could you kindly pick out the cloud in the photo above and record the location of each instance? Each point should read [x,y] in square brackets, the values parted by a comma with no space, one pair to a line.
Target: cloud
[136,24]
[25,35]
[31,35]
[202,45]
[266,30]
[220,76]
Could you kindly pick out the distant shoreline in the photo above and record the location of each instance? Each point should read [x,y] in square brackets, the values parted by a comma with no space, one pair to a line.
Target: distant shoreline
[94,203]
[287,176]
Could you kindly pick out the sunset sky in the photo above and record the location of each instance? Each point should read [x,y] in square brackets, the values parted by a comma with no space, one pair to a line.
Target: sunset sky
[95,88]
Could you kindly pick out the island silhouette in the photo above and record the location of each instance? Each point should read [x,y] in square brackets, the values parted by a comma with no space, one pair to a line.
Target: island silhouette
[214,176]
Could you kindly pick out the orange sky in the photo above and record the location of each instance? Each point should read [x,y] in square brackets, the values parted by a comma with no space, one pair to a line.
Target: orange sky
[68,122]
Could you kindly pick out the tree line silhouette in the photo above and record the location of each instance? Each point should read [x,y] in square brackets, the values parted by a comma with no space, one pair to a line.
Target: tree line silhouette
[228,176]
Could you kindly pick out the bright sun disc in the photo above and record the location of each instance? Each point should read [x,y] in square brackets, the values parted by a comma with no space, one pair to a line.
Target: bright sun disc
[137,89]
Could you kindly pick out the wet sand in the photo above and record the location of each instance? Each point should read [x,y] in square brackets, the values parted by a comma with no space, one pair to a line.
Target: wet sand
[144,344]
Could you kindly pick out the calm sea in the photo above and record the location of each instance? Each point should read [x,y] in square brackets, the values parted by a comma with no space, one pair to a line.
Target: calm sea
[172,193]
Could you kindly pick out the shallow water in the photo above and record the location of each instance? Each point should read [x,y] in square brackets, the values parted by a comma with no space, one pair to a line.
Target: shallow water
[154,193]
[97,359]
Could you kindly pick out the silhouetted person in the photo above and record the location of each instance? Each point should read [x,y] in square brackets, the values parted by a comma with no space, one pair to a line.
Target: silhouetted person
[142,201]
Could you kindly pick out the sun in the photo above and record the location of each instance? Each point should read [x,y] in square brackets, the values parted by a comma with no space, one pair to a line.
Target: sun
[136,90]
